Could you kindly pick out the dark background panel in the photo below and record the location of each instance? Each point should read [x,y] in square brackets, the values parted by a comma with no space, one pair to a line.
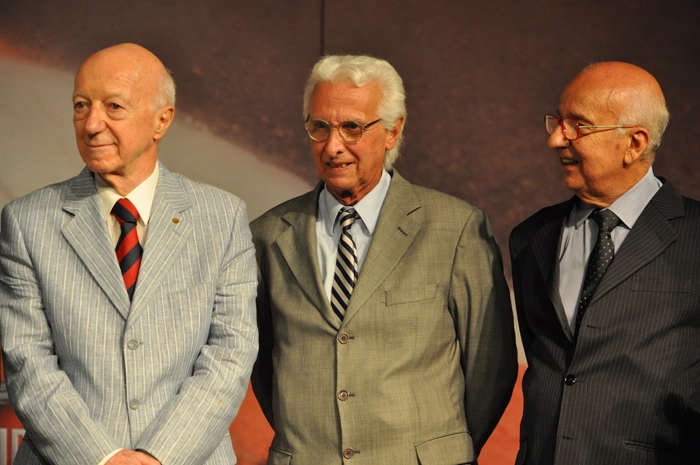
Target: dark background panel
[479,75]
[239,66]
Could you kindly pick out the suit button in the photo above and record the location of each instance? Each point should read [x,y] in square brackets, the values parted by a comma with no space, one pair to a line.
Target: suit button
[343,338]
[133,344]
[570,380]
[134,404]
[348,453]
[343,395]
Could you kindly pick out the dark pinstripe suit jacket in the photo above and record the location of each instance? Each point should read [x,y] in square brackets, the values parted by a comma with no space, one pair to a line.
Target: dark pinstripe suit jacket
[627,391]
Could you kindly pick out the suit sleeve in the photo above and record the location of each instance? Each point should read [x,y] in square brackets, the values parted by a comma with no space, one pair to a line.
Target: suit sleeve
[52,412]
[262,371]
[480,304]
[193,424]
[515,252]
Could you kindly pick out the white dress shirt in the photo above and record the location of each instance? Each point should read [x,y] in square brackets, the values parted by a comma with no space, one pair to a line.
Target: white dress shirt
[328,232]
[141,197]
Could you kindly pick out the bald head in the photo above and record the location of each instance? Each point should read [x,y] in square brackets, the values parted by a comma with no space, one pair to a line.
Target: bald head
[122,108]
[140,65]
[628,92]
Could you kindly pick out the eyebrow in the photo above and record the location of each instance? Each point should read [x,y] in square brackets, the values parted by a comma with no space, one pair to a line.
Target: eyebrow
[110,96]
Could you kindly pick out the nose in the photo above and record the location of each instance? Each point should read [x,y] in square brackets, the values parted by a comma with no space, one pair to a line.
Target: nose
[557,140]
[95,120]
[335,143]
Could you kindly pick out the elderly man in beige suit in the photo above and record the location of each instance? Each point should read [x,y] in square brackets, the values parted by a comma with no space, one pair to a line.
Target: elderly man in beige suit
[385,324]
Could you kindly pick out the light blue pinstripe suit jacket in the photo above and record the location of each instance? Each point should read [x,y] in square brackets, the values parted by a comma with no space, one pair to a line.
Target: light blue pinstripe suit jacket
[87,372]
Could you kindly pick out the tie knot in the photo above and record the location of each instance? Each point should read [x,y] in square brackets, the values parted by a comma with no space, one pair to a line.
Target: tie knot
[606,219]
[125,211]
[348,215]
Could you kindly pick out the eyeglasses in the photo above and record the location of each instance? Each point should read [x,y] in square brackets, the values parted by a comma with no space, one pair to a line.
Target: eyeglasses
[570,127]
[350,131]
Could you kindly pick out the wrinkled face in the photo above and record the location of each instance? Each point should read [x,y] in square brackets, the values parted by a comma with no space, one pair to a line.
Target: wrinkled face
[116,127]
[593,165]
[350,170]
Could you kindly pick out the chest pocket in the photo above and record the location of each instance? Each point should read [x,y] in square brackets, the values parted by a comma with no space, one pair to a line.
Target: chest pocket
[415,294]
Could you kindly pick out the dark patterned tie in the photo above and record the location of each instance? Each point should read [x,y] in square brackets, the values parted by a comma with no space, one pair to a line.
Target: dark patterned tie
[346,264]
[601,256]
[128,249]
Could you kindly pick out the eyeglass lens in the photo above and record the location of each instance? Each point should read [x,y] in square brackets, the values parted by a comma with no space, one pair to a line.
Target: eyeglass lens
[321,130]
[569,125]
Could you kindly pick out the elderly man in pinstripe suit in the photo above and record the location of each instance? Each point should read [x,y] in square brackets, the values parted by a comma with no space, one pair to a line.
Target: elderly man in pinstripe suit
[606,287]
[138,357]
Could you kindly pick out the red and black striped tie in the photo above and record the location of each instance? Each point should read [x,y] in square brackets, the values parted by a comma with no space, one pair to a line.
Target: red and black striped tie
[128,249]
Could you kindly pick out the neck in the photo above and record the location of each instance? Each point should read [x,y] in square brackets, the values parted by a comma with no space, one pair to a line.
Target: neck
[125,183]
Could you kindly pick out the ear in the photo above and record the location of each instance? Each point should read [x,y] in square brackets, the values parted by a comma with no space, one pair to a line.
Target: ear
[164,118]
[393,134]
[639,141]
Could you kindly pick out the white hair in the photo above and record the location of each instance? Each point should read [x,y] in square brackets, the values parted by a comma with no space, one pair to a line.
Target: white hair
[647,110]
[166,90]
[360,71]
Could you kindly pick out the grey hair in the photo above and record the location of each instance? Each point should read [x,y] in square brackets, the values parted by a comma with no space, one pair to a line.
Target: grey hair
[646,110]
[360,70]
[166,90]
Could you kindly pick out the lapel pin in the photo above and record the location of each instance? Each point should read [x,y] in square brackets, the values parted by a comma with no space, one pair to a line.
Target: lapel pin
[176,220]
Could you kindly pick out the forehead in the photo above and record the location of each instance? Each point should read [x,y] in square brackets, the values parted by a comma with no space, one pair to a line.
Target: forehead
[344,101]
[589,100]
[111,76]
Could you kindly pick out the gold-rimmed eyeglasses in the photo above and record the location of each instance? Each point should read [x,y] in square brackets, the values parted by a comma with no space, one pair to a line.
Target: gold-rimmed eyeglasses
[350,131]
[570,127]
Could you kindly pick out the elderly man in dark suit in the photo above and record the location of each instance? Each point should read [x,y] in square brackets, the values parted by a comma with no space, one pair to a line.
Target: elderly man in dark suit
[606,287]
[386,329]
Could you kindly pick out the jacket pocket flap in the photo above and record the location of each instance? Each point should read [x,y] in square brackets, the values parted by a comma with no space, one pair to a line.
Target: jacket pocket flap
[446,450]
[278,457]
[415,294]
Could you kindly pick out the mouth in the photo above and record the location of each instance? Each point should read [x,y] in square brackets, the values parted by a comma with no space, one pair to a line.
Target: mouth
[338,165]
[568,161]
[97,144]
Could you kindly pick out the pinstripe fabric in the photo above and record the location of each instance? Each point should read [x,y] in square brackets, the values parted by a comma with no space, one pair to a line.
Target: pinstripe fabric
[636,363]
[87,371]
[424,354]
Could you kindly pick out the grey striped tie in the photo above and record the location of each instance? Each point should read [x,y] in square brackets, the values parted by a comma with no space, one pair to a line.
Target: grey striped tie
[346,264]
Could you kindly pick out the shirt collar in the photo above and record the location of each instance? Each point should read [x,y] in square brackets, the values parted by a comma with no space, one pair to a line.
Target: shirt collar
[142,196]
[368,208]
[628,207]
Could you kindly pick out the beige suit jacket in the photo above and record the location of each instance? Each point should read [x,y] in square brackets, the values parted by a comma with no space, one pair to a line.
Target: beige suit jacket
[423,365]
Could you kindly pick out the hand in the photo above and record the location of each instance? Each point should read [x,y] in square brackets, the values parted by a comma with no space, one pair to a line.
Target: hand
[132,457]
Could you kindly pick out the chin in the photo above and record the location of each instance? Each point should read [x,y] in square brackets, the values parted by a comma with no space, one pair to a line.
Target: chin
[573,183]
[96,166]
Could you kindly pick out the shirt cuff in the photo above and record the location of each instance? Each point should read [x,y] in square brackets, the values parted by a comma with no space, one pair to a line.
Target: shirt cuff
[106,459]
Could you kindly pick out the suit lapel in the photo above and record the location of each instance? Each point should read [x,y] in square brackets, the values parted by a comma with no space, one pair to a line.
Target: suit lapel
[650,236]
[394,234]
[168,230]
[546,245]
[88,235]
[298,247]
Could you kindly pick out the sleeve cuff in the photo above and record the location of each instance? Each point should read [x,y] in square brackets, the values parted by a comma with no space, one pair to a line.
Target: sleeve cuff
[112,454]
